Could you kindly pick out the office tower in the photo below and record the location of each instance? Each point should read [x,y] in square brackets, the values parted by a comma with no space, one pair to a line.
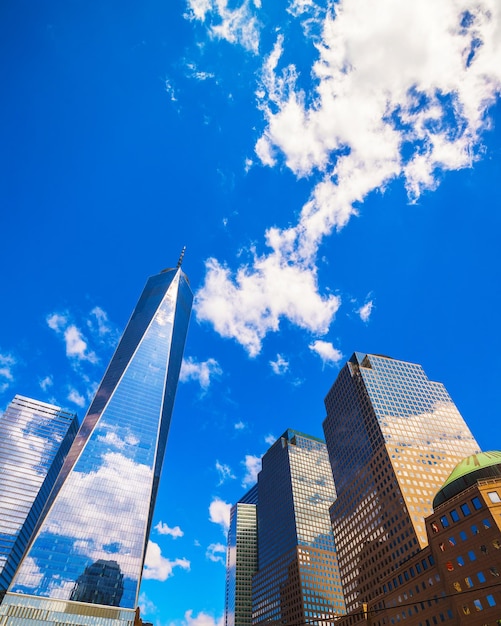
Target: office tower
[393,437]
[101,515]
[297,579]
[241,560]
[34,440]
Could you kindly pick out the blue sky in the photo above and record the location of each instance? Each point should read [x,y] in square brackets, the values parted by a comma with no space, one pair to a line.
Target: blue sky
[332,168]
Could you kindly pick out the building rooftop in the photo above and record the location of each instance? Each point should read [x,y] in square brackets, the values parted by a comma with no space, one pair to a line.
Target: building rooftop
[466,473]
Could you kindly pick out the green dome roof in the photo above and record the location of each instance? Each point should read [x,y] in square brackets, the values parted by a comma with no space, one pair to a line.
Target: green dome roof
[475,467]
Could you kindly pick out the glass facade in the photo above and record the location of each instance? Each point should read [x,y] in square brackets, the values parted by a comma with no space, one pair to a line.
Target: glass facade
[393,438]
[34,440]
[98,523]
[241,560]
[298,579]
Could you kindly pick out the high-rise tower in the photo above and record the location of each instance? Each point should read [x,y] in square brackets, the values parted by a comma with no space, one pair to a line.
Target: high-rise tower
[100,517]
[297,580]
[393,438]
[241,560]
[34,440]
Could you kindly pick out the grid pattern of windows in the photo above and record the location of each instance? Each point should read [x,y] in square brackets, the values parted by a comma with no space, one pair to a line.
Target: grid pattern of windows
[99,520]
[298,577]
[393,438]
[241,564]
[34,440]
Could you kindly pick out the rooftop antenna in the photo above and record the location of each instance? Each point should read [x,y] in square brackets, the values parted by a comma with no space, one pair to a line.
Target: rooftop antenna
[181,256]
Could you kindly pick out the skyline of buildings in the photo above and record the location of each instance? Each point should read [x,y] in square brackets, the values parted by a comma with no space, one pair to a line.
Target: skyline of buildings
[296,549]
[393,438]
[34,440]
[98,517]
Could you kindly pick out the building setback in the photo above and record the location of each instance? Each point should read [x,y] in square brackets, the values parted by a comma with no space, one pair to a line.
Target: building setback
[100,514]
[34,440]
[297,579]
[393,438]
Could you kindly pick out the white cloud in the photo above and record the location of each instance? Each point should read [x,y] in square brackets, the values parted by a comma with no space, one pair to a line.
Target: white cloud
[219,513]
[224,472]
[157,567]
[237,25]
[100,326]
[203,372]
[239,425]
[76,343]
[7,361]
[270,439]
[326,351]
[146,606]
[398,90]
[164,529]
[250,304]
[253,467]
[76,398]
[365,311]
[216,552]
[280,366]
[201,619]
[46,382]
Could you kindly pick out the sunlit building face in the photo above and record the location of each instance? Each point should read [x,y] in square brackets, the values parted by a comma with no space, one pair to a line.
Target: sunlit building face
[34,440]
[393,437]
[241,560]
[98,524]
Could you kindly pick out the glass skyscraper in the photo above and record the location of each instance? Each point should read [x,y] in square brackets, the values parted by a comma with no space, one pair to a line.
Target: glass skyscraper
[98,523]
[393,438]
[241,560]
[297,579]
[34,440]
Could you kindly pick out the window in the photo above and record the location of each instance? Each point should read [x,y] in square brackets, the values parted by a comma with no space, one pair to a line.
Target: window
[494,571]
[469,582]
[460,561]
[452,541]
[478,605]
[472,555]
[481,577]
[463,535]
[454,515]
[486,523]
[465,509]
[476,503]
[490,600]
[494,496]
[444,521]
[474,529]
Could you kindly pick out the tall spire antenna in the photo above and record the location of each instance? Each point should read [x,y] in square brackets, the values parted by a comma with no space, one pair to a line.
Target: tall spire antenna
[181,256]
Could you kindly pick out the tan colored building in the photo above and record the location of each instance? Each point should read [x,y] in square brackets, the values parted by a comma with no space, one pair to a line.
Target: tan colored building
[393,437]
[456,579]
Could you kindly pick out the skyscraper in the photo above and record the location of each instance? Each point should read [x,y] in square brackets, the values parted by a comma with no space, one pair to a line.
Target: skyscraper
[34,440]
[297,579]
[393,438]
[101,516]
[241,560]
